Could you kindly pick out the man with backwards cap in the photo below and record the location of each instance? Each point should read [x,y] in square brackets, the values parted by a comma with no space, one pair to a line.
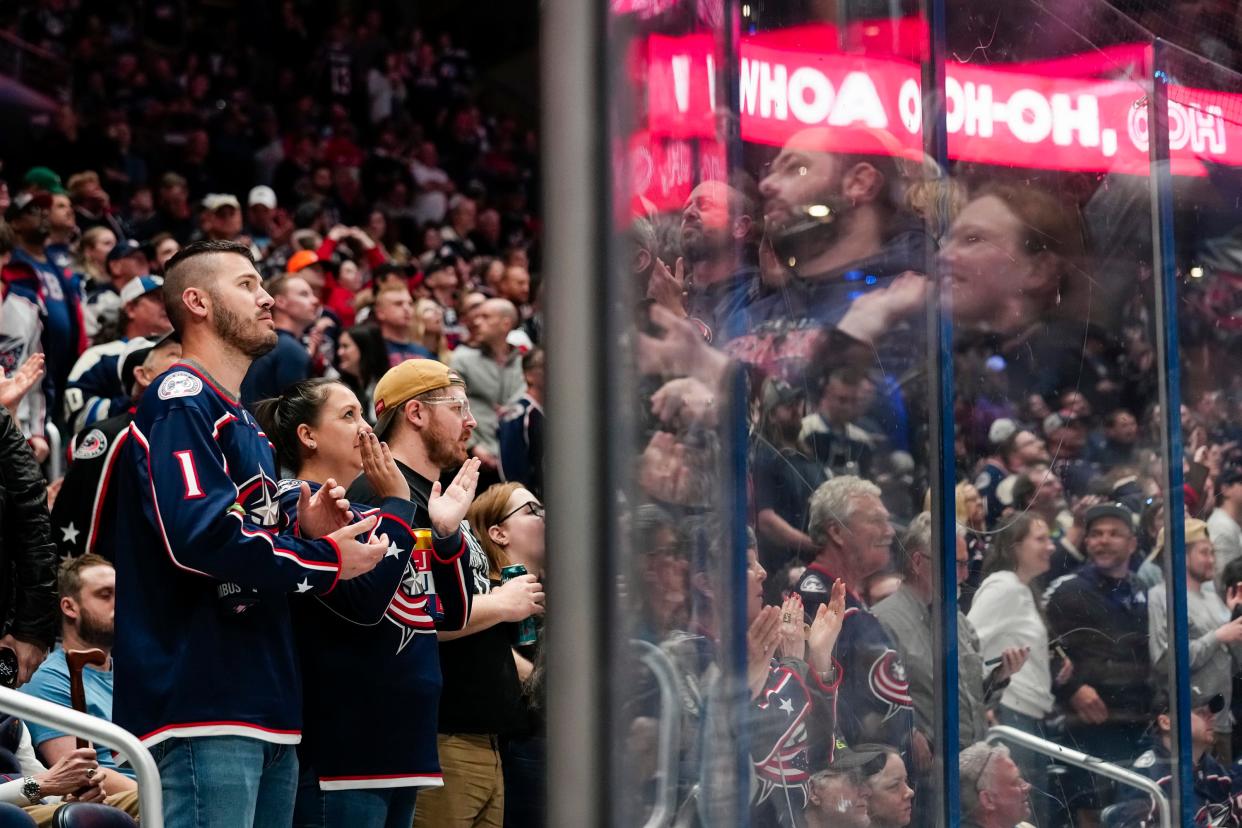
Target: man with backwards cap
[424,416]
[1215,640]
[1217,794]
[1099,617]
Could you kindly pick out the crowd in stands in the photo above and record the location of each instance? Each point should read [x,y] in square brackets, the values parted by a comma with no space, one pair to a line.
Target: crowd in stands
[394,226]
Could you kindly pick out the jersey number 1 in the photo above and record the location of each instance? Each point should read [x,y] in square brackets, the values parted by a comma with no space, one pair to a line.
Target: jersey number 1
[190,474]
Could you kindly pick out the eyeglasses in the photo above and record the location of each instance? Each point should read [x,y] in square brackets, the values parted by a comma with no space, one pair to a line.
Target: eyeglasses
[536,510]
[462,406]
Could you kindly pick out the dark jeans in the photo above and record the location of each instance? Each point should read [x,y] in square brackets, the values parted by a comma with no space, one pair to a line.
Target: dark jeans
[523,762]
[1119,743]
[12,816]
[357,808]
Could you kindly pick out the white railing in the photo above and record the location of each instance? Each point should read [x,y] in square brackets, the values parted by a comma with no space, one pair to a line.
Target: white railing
[68,720]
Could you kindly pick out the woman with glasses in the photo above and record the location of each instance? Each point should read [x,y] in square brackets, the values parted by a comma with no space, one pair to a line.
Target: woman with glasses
[357,770]
[1005,613]
[508,521]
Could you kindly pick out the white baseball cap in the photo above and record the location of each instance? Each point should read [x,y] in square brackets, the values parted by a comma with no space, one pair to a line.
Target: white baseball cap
[262,194]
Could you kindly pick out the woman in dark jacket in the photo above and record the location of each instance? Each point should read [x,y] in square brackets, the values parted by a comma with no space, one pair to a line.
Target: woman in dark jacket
[28,606]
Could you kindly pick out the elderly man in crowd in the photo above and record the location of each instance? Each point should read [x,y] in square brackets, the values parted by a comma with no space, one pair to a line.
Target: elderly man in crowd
[994,794]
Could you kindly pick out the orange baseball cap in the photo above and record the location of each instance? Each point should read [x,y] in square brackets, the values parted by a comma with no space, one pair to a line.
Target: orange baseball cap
[301,259]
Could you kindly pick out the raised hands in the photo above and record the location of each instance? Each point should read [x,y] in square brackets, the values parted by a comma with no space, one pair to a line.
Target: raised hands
[448,507]
[381,469]
[323,512]
[793,628]
[14,388]
[826,628]
[762,638]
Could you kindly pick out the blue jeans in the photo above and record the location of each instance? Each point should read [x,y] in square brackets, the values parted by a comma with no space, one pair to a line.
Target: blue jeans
[369,808]
[226,782]
[12,816]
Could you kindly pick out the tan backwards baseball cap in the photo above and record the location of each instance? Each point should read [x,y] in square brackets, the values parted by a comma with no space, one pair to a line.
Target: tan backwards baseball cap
[406,381]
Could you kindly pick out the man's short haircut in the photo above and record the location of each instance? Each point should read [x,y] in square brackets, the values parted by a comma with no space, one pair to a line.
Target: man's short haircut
[278,284]
[69,578]
[917,538]
[505,308]
[391,290]
[835,502]
[976,764]
[185,270]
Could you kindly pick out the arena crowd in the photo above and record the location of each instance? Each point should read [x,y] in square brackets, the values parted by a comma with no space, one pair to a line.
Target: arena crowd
[272,430]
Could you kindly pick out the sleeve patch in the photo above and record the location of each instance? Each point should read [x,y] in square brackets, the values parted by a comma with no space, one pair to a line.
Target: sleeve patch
[180,384]
[812,583]
[93,444]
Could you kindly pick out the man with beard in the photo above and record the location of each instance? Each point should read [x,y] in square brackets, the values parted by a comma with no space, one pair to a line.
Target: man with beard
[1099,617]
[719,274]
[425,417]
[831,215]
[207,669]
[31,270]
[87,598]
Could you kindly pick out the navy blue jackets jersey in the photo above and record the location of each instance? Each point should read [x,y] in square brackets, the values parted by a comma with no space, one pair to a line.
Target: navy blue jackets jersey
[874,695]
[94,391]
[86,506]
[373,643]
[196,528]
[1217,795]
[793,729]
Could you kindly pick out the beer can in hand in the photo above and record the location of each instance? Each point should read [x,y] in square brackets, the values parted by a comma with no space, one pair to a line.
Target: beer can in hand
[526,631]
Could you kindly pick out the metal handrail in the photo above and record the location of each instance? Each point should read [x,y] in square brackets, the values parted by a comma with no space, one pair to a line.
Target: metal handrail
[661,667]
[68,720]
[55,454]
[1087,762]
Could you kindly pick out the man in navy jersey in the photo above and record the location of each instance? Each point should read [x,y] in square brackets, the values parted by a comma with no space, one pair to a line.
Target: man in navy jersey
[206,669]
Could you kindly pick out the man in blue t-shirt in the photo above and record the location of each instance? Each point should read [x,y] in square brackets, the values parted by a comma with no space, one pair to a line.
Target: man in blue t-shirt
[87,588]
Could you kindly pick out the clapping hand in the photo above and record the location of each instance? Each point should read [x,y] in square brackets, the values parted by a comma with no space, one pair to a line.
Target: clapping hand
[448,506]
[14,388]
[793,628]
[762,638]
[826,628]
[323,512]
[381,469]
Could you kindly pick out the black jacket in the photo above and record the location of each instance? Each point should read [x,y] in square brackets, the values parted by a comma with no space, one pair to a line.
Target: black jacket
[28,605]
[1102,625]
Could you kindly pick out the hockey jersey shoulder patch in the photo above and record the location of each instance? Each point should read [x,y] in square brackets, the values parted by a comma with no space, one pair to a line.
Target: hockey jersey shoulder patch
[93,444]
[812,583]
[180,384]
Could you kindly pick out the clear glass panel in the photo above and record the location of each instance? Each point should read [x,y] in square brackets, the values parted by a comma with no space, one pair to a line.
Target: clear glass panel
[781,241]
[768,158]
[1205,151]
[1049,259]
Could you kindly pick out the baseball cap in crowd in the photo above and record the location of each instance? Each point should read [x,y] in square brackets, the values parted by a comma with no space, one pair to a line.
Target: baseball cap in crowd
[1060,419]
[135,353]
[406,381]
[124,249]
[262,194]
[302,259]
[1000,430]
[1199,697]
[864,759]
[215,201]
[43,178]
[137,288]
[25,202]
[1194,530]
[1108,510]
